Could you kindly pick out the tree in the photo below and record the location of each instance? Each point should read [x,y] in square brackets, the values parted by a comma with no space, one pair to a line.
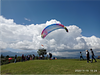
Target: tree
[7,56]
[42,52]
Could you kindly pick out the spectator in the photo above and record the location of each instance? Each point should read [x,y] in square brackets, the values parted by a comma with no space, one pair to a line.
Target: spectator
[50,56]
[81,56]
[93,56]
[15,58]
[23,58]
[40,56]
[87,56]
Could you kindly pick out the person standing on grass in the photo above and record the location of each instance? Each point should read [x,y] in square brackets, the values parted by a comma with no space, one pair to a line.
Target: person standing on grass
[33,56]
[81,56]
[50,56]
[28,57]
[15,58]
[87,56]
[92,56]
[23,58]
[40,56]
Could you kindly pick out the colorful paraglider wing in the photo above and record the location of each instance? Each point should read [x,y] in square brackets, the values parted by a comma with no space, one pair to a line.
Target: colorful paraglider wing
[51,28]
[42,45]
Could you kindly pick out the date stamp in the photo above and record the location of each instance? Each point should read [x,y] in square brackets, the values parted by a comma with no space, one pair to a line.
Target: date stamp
[85,70]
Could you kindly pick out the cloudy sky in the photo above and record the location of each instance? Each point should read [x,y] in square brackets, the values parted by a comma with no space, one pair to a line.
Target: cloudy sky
[21,24]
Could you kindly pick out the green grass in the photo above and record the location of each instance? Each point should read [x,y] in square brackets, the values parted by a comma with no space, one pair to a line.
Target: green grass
[59,66]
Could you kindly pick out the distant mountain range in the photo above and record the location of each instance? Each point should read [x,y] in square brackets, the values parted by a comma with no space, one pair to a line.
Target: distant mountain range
[35,53]
[18,54]
[28,53]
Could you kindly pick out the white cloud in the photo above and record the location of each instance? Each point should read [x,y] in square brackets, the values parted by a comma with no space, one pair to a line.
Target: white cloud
[53,21]
[66,54]
[92,42]
[3,45]
[27,19]
[6,21]
[29,37]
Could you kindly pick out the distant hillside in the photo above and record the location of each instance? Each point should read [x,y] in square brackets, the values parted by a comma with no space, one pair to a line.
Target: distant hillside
[18,54]
[35,53]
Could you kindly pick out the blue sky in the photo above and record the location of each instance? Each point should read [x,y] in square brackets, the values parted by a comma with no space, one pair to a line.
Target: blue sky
[84,15]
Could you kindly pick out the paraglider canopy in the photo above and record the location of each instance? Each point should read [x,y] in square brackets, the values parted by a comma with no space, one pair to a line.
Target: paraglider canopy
[51,28]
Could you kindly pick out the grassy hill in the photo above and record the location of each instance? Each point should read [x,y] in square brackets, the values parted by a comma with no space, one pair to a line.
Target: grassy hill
[59,66]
